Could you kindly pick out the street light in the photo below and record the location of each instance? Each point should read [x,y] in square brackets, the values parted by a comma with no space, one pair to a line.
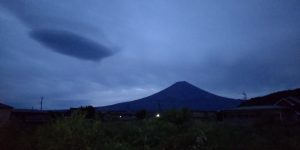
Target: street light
[157,115]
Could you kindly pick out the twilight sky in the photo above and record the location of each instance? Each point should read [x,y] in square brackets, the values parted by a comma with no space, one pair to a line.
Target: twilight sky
[100,52]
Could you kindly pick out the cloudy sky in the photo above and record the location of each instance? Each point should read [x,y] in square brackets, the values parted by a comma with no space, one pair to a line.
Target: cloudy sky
[100,52]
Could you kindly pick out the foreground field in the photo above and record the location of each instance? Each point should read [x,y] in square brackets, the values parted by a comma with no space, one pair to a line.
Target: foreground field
[172,132]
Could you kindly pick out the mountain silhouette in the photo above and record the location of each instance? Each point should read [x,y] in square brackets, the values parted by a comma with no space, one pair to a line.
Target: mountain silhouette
[179,95]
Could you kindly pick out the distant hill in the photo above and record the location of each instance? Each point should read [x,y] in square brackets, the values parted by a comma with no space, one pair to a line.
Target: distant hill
[179,95]
[272,98]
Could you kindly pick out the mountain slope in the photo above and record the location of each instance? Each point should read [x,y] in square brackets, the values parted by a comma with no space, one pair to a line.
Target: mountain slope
[272,98]
[179,95]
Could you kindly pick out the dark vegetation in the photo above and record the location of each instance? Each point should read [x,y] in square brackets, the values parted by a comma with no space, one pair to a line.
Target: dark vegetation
[174,130]
[141,114]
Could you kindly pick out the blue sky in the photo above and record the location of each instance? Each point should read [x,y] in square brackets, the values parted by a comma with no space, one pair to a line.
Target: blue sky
[100,52]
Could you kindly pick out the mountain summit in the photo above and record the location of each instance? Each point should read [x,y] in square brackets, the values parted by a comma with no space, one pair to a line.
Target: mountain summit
[179,95]
[184,91]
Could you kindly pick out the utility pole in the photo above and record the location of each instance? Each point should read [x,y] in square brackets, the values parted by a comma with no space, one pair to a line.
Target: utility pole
[42,98]
[245,95]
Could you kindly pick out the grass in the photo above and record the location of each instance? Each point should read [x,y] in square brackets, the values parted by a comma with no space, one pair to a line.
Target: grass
[78,133]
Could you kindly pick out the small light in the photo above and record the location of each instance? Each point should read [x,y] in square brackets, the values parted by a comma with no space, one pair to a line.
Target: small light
[157,115]
[120,116]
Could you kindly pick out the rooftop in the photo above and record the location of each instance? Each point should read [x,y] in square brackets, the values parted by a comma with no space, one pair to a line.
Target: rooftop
[4,106]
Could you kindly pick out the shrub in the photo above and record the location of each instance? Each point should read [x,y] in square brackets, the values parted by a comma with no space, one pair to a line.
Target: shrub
[178,117]
[73,133]
[141,114]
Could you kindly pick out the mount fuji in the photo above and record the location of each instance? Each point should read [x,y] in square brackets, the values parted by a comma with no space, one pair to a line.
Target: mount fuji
[179,95]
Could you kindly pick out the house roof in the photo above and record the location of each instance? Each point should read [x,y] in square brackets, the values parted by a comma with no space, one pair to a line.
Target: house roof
[30,110]
[4,106]
[265,107]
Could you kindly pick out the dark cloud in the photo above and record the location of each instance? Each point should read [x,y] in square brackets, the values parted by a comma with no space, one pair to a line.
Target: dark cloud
[70,44]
